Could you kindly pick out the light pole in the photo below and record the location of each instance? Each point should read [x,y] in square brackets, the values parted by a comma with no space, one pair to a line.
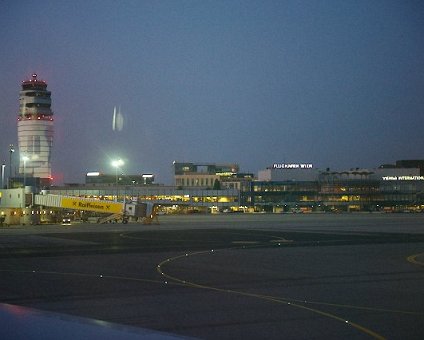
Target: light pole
[3,166]
[117,164]
[25,158]
[11,151]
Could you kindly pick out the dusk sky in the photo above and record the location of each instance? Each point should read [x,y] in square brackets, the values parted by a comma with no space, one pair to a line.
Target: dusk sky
[339,84]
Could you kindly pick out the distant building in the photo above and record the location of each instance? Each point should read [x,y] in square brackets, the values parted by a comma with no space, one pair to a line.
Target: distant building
[239,181]
[207,168]
[18,182]
[205,175]
[98,178]
[35,130]
[300,187]
[289,172]
[210,176]
[411,164]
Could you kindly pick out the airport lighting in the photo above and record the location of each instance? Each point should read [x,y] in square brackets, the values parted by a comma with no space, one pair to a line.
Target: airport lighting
[25,159]
[11,151]
[3,166]
[117,164]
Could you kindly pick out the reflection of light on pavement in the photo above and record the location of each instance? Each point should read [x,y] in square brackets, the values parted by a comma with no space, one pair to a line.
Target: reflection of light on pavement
[245,242]
[413,259]
[39,324]
[283,240]
[17,310]
[280,300]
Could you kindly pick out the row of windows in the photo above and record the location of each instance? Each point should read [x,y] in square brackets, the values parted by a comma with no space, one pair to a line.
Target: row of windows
[195,182]
[34,86]
[279,199]
[30,105]
[38,94]
[338,189]
[172,198]
[332,198]
[285,187]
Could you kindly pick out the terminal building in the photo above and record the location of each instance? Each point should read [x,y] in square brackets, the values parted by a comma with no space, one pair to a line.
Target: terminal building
[280,188]
[303,188]
[211,175]
[206,175]
[100,179]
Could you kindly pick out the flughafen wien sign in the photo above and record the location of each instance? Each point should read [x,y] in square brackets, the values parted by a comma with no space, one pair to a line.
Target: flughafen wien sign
[292,166]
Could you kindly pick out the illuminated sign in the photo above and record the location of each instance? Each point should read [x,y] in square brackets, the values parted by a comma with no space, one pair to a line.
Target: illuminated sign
[292,166]
[225,173]
[403,178]
[93,174]
[99,206]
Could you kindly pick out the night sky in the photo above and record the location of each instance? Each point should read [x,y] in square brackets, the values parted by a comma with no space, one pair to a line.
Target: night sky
[339,84]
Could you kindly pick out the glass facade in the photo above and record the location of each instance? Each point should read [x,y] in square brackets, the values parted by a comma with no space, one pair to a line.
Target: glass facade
[336,195]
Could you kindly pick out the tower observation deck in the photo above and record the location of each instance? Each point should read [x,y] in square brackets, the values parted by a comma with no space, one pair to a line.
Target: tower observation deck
[35,129]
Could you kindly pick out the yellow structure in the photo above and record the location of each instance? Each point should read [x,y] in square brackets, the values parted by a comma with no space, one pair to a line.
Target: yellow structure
[92,205]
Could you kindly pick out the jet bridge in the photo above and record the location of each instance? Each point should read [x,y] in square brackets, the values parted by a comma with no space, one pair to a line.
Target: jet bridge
[118,211]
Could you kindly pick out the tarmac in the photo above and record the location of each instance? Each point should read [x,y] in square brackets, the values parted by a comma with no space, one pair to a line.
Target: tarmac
[227,276]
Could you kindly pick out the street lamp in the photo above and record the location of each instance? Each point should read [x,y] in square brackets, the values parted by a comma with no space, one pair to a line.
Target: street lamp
[11,151]
[117,164]
[3,166]
[25,158]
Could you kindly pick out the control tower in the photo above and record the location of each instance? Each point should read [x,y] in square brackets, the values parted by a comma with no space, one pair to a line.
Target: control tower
[35,130]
